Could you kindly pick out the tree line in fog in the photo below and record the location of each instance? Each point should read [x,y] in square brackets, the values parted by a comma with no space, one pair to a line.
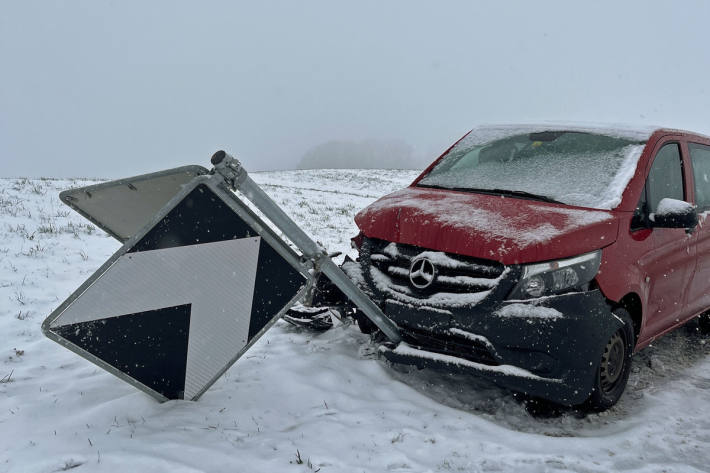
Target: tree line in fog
[368,154]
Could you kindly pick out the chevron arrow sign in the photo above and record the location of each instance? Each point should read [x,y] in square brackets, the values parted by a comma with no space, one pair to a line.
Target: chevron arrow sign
[183,299]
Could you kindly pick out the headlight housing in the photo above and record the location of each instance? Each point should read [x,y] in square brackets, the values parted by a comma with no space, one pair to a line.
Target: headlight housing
[554,277]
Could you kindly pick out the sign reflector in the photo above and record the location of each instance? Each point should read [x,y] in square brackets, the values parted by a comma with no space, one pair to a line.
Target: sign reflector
[183,298]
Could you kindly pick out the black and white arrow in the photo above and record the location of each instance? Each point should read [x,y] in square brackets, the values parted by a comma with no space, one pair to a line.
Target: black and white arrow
[151,313]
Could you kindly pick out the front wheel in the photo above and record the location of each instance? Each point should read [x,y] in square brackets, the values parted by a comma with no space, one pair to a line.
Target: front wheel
[614,365]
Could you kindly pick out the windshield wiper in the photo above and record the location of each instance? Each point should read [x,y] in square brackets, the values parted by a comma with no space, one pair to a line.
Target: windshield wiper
[523,194]
[449,188]
[504,192]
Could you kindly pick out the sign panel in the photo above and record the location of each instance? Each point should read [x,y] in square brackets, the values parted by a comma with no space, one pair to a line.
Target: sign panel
[122,207]
[184,298]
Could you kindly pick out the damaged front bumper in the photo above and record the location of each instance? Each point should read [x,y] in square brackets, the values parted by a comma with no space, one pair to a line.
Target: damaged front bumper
[548,348]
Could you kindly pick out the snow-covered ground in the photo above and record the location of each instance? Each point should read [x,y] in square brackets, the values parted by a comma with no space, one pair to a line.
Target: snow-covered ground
[299,401]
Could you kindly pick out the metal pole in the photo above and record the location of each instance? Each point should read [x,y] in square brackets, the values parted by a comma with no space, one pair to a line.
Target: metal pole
[237,178]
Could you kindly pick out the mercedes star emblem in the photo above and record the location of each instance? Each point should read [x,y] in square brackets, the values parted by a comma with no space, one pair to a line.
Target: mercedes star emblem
[422,273]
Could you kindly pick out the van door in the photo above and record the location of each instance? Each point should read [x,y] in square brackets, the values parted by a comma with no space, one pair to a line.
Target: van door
[699,292]
[669,262]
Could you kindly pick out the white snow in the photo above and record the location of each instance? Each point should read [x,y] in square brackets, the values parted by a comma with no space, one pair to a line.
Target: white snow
[324,395]
[612,194]
[467,281]
[474,337]
[442,300]
[404,349]
[439,258]
[673,206]
[354,272]
[591,179]
[455,210]
[307,309]
[528,311]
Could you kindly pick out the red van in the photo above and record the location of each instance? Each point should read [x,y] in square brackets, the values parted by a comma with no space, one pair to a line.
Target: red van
[542,257]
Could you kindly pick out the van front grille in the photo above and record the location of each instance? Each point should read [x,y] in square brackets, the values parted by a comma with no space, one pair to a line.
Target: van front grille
[458,280]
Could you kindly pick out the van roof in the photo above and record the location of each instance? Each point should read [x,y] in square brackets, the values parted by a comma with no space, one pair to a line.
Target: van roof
[486,133]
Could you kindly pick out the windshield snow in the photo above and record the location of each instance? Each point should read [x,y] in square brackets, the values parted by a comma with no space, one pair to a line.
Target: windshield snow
[572,167]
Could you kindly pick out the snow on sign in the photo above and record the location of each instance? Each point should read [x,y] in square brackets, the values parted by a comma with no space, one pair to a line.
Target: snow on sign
[186,295]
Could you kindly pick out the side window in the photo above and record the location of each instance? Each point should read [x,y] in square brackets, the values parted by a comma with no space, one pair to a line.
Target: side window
[666,176]
[700,157]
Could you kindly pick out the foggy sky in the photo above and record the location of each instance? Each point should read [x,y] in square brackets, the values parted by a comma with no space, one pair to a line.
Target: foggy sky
[117,88]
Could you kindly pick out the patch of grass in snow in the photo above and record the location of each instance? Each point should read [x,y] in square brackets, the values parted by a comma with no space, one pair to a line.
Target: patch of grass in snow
[38,189]
[7,378]
[20,184]
[21,230]
[78,228]
[12,207]
[20,297]
[299,461]
[49,227]
[70,465]
[35,251]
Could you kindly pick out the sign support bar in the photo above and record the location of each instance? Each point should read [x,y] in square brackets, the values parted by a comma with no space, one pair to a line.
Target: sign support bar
[237,178]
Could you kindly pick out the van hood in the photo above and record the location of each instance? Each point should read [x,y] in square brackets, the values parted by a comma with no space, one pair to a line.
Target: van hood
[505,229]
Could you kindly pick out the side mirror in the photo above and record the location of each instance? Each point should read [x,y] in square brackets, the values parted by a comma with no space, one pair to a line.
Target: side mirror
[674,213]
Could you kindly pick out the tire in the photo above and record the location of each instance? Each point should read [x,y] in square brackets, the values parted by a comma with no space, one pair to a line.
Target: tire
[614,365]
[704,322]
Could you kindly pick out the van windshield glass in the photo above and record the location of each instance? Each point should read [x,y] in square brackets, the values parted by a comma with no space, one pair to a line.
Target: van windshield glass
[571,167]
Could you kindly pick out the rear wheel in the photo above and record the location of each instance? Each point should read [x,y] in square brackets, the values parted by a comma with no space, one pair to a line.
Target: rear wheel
[614,365]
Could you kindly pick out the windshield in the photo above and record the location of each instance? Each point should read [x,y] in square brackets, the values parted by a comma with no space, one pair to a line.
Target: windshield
[574,168]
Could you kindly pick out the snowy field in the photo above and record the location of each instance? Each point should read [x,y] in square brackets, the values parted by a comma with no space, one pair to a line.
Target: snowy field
[298,401]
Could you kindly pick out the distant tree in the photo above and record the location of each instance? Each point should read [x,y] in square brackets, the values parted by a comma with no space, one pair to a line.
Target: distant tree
[369,154]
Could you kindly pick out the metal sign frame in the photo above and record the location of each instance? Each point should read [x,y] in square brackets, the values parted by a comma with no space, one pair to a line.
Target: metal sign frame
[237,178]
[216,184]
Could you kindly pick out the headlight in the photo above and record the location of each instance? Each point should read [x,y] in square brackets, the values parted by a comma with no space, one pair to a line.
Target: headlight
[553,277]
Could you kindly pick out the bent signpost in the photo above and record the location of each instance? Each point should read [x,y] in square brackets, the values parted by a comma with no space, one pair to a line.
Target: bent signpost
[190,291]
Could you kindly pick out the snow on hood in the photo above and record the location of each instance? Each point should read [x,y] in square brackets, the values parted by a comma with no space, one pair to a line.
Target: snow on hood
[506,229]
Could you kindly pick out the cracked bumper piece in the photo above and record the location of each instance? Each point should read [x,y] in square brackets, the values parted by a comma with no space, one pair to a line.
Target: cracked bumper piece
[548,348]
